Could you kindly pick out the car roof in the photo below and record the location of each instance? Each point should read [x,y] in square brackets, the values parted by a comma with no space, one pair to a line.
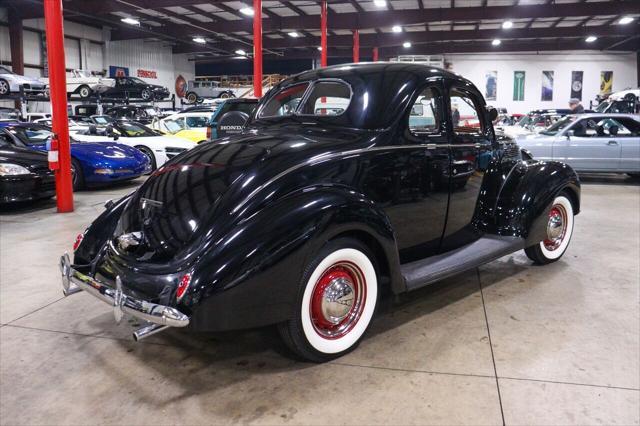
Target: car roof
[606,114]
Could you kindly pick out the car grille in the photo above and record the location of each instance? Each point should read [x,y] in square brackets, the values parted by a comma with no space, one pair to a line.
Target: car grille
[173,151]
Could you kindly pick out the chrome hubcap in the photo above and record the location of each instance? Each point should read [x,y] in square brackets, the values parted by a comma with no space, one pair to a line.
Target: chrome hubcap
[337,300]
[556,227]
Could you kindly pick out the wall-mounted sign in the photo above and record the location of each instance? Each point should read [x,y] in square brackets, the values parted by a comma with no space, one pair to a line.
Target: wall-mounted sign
[576,84]
[115,71]
[606,83]
[147,74]
[181,86]
[547,86]
[518,85]
[491,87]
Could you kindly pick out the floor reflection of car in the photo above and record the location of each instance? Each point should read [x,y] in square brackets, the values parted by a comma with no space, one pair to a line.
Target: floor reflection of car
[92,163]
[158,147]
[590,143]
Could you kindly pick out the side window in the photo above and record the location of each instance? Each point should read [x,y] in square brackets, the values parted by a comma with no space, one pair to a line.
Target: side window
[327,98]
[426,113]
[284,102]
[623,127]
[197,121]
[4,140]
[593,128]
[464,114]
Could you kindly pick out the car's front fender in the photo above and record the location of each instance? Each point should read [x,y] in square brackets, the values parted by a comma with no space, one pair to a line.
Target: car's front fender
[252,276]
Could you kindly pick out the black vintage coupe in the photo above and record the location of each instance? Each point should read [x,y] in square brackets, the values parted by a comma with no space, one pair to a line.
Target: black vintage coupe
[348,182]
[134,88]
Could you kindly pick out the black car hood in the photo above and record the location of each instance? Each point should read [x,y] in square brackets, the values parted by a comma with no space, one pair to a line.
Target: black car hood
[24,157]
[202,193]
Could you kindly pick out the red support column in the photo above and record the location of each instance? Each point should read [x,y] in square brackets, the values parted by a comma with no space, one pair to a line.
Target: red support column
[323,33]
[375,54]
[356,46]
[257,48]
[58,91]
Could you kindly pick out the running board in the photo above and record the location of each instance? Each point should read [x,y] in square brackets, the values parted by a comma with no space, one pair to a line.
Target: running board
[435,268]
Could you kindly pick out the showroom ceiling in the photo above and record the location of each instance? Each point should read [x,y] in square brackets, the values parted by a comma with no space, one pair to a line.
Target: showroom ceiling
[292,28]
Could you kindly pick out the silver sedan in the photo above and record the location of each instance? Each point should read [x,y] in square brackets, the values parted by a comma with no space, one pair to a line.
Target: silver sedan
[590,143]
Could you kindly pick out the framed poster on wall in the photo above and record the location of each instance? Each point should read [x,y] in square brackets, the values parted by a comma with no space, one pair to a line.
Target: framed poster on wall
[606,83]
[491,86]
[518,85]
[547,86]
[576,84]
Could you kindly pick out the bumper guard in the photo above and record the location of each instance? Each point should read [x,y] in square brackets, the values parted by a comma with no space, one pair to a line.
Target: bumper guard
[162,316]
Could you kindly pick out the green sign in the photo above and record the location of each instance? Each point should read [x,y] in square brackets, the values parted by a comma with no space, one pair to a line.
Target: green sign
[518,85]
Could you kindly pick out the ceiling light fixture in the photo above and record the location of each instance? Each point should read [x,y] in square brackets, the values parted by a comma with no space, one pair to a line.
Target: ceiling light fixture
[241,52]
[406,44]
[591,39]
[294,34]
[625,20]
[380,3]
[247,11]
[396,29]
[130,21]
[507,24]
[200,40]
[496,42]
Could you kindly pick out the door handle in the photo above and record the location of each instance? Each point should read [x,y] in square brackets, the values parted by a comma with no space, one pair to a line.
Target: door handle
[612,143]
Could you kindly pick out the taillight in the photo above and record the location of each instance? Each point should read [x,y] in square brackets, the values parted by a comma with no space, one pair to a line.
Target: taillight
[183,286]
[208,133]
[77,242]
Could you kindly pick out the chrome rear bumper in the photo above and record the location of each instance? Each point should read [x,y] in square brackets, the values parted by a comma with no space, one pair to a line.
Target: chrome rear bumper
[74,281]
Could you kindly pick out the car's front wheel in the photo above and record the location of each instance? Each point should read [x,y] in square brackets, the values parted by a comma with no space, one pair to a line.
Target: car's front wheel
[192,98]
[152,158]
[146,94]
[336,301]
[84,91]
[4,87]
[559,231]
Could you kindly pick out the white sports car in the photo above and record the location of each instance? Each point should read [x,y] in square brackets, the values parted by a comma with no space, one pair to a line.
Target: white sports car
[159,148]
[82,83]
[10,82]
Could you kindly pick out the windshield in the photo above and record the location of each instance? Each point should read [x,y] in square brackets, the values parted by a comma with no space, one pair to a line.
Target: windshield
[136,80]
[83,73]
[133,130]
[602,107]
[524,121]
[174,126]
[31,135]
[4,70]
[559,126]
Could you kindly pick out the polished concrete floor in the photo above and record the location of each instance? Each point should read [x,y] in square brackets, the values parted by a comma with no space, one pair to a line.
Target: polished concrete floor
[507,343]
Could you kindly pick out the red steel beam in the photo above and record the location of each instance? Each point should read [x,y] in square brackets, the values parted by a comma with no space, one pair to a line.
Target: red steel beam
[58,90]
[257,48]
[375,54]
[356,46]
[323,33]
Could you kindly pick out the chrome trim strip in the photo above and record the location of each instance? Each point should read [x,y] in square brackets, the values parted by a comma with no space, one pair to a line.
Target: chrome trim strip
[326,157]
[74,281]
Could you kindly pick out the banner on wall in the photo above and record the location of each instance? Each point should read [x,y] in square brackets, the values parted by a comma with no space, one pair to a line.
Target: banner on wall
[147,73]
[547,86]
[115,71]
[181,86]
[491,85]
[576,84]
[518,85]
[606,83]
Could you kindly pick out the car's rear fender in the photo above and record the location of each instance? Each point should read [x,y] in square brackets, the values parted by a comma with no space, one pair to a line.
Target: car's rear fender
[252,276]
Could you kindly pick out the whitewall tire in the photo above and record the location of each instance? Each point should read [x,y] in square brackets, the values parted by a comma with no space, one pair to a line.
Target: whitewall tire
[338,296]
[559,231]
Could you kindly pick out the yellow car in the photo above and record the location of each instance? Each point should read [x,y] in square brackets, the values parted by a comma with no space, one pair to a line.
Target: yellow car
[191,126]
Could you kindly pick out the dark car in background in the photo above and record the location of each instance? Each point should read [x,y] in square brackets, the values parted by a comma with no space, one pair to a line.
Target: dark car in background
[24,174]
[135,88]
[230,117]
[141,113]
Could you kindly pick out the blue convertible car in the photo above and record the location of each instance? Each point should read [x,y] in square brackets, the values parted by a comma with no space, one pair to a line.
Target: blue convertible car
[93,163]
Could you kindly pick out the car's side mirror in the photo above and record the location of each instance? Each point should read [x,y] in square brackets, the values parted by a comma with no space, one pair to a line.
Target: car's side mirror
[492,114]
[570,134]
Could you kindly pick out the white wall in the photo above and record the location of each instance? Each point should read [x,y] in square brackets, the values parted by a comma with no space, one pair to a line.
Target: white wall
[150,56]
[475,66]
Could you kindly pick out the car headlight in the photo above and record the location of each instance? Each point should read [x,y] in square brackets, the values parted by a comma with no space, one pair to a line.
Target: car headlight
[104,171]
[8,169]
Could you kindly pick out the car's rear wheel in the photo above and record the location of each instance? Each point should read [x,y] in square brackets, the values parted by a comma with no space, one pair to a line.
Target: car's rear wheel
[4,87]
[152,158]
[77,177]
[226,95]
[559,231]
[84,91]
[192,98]
[146,94]
[336,301]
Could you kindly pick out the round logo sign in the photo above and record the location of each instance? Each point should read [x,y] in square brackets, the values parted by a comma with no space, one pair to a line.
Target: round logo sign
[576,86]
[181,86]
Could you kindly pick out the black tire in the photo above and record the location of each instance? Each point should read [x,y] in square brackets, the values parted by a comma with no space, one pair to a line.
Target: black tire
[150,155]
[4,87]
[227,95]
[347,267]
[630,97]
[84,91]
[146,94]
[77,176]
[553,248]
[192,98]
[635,176]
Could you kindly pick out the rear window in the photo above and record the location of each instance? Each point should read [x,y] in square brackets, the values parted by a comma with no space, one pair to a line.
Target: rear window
[323,98]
